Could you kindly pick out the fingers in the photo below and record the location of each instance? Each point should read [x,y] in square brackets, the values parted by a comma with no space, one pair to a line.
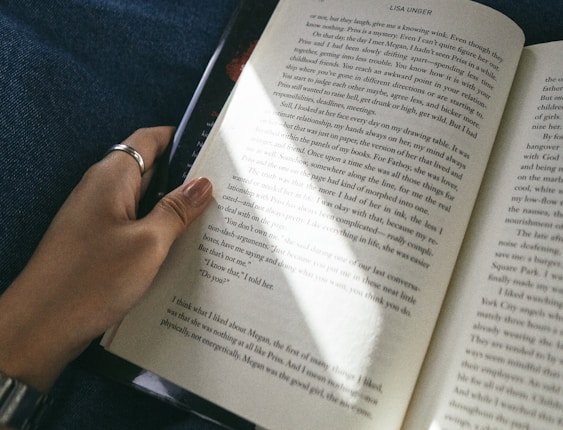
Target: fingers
[178,209]
[150,143]
[118,175]
[116,181]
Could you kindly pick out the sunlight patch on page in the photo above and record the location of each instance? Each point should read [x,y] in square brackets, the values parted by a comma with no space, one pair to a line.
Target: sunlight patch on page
[435,426]
[313,251]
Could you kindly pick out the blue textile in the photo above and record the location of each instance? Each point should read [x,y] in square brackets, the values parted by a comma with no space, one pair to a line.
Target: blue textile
[75,77]
[79,75]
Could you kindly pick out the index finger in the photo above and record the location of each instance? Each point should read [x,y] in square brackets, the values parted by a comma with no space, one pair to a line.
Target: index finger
[150,143]
[121,167]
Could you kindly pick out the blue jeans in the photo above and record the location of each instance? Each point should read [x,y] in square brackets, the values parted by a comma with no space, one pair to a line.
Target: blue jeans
[79,75]
[75,77]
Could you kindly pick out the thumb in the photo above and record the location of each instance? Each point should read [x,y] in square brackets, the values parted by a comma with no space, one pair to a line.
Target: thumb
[179,208]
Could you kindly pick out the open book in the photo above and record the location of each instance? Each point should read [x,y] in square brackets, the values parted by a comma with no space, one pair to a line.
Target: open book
[366,167]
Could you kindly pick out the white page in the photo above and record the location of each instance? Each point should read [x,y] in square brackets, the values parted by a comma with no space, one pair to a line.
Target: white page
[497,358]
[307,294]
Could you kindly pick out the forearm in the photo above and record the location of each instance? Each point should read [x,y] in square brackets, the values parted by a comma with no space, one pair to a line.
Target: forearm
[35,347]
[93,265]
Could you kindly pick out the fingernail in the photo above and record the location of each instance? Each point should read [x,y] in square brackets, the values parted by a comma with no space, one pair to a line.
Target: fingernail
[198,191]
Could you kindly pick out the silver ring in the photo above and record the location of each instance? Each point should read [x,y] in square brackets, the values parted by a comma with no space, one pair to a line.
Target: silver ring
[131,152]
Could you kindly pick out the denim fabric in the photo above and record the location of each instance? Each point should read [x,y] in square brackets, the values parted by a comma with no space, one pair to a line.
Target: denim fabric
[79,75]
[75,77]
[539,19]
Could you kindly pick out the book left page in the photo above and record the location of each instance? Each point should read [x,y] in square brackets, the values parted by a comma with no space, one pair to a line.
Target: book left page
[345,169]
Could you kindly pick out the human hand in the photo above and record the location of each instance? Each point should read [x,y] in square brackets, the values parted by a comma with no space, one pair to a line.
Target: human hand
[94,263]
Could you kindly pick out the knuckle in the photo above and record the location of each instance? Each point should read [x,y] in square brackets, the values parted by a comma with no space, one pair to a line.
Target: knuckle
[148,243]
[174,204]
[142,132]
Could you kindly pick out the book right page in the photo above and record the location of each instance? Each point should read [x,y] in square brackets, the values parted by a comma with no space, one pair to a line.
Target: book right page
[498,356]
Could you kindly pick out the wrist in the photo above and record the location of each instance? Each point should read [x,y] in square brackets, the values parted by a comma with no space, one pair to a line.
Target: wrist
[34,345]
[21,406]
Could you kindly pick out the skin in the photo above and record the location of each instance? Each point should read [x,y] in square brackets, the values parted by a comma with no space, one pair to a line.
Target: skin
[94,263]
